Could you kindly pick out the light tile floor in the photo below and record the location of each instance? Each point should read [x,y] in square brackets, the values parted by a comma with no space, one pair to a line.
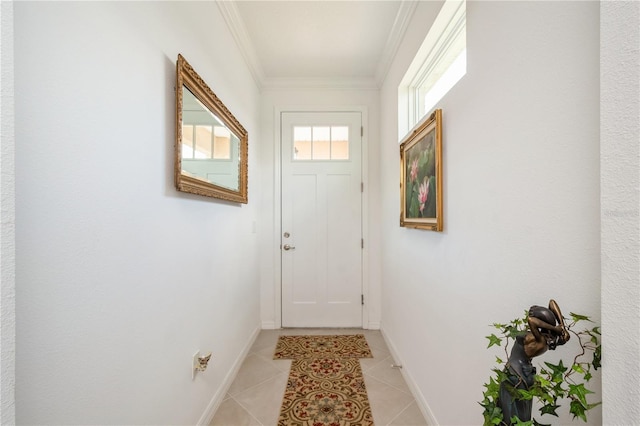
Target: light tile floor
[255,396]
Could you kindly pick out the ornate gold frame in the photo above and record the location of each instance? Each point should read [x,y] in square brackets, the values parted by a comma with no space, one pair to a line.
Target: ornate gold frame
[187,77]
[421,163]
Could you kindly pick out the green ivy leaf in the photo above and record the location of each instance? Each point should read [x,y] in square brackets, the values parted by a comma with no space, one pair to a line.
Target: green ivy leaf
[535,423]
[515,421]
[493,388]
[578,317]
[558,390]
[578,410]
[580,392]
[524,394]
[577,368]
[557,371]
[549,409]
[494,340]
[501,376]
[597,357]
[545,396]
[542,381]
[492,414]
[590,406]
[499,360]
[493,417]
[512,331]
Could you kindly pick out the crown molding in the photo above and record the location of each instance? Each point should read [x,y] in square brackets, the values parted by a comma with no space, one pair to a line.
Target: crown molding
[398,30]
[320,83]
[240,34]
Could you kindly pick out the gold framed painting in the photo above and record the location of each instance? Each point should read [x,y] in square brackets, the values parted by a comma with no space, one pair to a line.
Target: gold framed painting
[421,175]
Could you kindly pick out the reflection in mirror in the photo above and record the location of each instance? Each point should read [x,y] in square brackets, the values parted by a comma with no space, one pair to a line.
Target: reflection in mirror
[211,145]
[209,150]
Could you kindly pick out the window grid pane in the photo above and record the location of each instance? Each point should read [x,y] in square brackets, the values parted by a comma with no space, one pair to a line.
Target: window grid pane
[321,143]
[203,141]
[187,141]
[302,143]
[302,150]
[340,143]
[221,143]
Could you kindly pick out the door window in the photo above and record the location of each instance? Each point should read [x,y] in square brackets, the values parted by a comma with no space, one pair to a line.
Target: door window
[320,143]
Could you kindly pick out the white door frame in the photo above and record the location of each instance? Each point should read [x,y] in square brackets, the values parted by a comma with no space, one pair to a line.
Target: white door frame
[277,225]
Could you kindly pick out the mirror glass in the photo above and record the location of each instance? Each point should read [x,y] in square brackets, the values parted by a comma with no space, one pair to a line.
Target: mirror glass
[211,145]
[210,151]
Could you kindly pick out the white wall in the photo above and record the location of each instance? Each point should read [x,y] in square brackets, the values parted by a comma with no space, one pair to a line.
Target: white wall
[521,198]
[8,220]
[306,99]
[620,204]
[120,278]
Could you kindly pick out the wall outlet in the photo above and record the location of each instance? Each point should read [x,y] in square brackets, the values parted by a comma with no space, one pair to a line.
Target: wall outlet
[199,363]
[194,363]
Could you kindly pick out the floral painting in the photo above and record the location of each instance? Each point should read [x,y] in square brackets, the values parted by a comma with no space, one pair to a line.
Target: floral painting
[421,174]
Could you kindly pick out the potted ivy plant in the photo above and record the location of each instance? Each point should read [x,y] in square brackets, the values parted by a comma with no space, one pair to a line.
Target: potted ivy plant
[549,384]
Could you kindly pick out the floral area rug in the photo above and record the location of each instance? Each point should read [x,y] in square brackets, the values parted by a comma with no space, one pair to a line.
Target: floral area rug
[347,346]
[325,385]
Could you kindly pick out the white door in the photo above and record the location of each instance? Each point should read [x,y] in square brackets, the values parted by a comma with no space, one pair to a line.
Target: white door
[321,241]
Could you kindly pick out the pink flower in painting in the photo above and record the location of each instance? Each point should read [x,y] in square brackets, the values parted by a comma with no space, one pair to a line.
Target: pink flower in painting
[414,170]
[423,194]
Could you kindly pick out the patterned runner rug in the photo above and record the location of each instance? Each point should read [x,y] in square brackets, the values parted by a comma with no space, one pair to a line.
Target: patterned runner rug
[346,346]
[325,385]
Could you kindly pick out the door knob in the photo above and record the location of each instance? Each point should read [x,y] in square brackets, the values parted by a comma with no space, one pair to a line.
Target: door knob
[288,247]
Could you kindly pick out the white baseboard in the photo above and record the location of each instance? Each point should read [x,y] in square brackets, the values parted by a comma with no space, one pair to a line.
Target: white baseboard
[269,325]
[218,397]
[374,325]
[408,378]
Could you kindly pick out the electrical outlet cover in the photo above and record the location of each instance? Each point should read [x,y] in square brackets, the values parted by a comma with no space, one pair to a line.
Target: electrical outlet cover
[194,364]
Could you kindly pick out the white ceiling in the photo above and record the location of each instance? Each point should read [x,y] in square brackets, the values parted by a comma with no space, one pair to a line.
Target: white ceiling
[321,43]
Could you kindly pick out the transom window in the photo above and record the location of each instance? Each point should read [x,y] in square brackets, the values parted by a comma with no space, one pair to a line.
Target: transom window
[320,143]
[438,65]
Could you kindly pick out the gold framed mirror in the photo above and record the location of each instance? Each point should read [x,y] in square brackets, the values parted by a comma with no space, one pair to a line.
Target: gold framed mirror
[211,144]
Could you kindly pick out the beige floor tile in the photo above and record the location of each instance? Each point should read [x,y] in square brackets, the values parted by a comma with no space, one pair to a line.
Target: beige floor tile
[254,370]
[266,339]
[389,375]
[283,365]
[264,401]
[386,401]
[411,416]
[379,355]
[230,413]
[375,339]
[255,396]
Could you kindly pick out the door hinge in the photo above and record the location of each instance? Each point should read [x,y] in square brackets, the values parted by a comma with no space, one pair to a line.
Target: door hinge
[362,299]
[361,186]
[361,242]
[361,130]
